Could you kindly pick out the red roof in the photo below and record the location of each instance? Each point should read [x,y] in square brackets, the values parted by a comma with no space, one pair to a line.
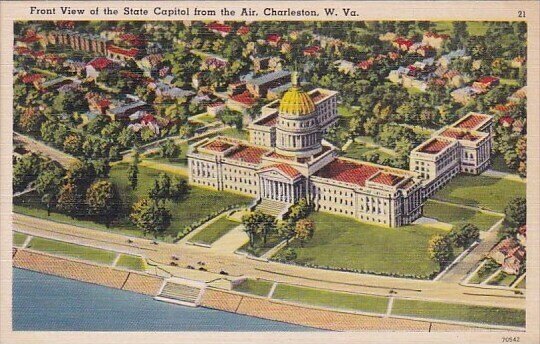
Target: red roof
[402,41]
[131,52]
[22,50]
[288,170]
[460,134]
[387,179]
[280,156]
[103,103]
[30,39]
[218,146]
[348,171]
[134,40]
[488,80]
[31,78]
[471,121]
[248,154]
[100,63]
[312,50]
[269,121]
[506,121]
[243,30]
[219,27]
[244,98]
[434,146]
[273,37]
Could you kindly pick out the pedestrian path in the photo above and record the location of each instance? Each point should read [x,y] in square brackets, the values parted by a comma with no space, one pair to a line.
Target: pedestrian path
[231,241]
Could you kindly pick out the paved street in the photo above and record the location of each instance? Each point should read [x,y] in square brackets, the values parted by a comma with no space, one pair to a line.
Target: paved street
[236,265]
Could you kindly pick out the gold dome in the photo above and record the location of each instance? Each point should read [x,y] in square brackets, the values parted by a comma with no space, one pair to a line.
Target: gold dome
[296,102]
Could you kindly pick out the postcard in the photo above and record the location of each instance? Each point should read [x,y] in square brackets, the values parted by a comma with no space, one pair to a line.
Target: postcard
[261,171]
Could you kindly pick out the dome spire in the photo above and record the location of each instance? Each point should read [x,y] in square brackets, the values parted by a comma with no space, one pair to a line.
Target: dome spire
[294,78]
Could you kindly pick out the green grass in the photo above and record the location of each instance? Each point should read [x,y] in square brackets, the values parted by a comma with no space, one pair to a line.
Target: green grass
[324,298]
[71,250]
[457,216]
[357,150]
[206,118]
[131,262]
[474,28]
[181,160]
[341,242]
[199,203]
[214,231]
[259,248]
[522,284]
[19,239]
[511,82]
[502,279]
[498,164]
[459,312]
[485,271]
[345,111]
[235,133]
[481,191]
[255,287]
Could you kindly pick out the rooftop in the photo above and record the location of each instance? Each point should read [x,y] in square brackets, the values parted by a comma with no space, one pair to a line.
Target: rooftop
[268,121]
[472,121]
[217,146]
[249,154]
[460,134]
[348,171]
[387,179]
[288,170]
[433,146]
[269,77]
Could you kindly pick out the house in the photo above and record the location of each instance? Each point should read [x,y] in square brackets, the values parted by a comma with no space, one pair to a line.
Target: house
[219,29]
[236,88]
[312,51]
[74,66]
[345,67]
[402,43]
[215,108]
[463,95]
[519,95]
[506,121]
[33,79]
[242,31]
[485,83]
[510,255]
[97,103]
[259,86]
[273,39]
[98,65]
[518,126]
[365,65]
[150,63]
[388,37]
[122,110]
[164,90]
[434,39]
[122,54]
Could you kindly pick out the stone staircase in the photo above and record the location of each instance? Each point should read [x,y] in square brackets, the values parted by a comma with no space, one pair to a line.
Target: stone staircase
[274,208]
[183,294]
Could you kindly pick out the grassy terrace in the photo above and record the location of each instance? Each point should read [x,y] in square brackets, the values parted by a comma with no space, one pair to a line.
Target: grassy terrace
[199,203]
[481,191]
[522,284]
[131,262]
[317,297]
[341,242]
[485,271]
[235,133]
[502,279]
[214,231]
[71,250]
[457,312]
[181,160]
[255,287]
[458,216]
[259,248]
[19,239]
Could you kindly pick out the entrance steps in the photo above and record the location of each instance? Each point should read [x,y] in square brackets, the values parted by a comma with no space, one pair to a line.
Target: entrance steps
[270,207]
[186,293]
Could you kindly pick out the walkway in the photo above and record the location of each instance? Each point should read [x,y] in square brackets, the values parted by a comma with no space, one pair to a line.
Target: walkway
[488,239]
[223,258]
[232,241]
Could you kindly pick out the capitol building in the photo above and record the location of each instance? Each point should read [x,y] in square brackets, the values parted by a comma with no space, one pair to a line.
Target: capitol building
[286,159]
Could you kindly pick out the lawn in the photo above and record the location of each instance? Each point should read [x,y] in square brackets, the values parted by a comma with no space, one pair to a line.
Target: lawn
[131,262]
[459,312]
[214,231]
[199,203]
[205,118]
[71,250]
[324,298]
[485,271]
[235,133]
[259,248]
[255,287]
[481,191]
[181,160]
[522,284]
[19,239]
[344,243]
[502,279]
[498,164]
[345,111]
[356,150]
[475,28]
[457,216]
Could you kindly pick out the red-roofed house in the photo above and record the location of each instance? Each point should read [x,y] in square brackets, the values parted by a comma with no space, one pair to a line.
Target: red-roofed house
[122,54]
[485,83]
[510,255]
[98,65]
[273,39]
[312,51]
[402,43]
[220,29]
[242,30]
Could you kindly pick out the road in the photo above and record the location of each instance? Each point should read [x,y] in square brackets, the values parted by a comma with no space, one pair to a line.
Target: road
[236,265]
[39,147]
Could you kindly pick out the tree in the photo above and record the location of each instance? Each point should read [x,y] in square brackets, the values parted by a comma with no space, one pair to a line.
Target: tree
[70,200]
[133,171]
[440,250]
[161,189]
[150,217]
[464,236]
[179,189]
[81,174]
[169,150]
[257,223]
[289,254]
[48,184]
[126,138]
[299,210]
[103,201]
[25,170]
[286,230]
[73,144]
[521,150]
[516,212]
[304,230]
[30,120]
